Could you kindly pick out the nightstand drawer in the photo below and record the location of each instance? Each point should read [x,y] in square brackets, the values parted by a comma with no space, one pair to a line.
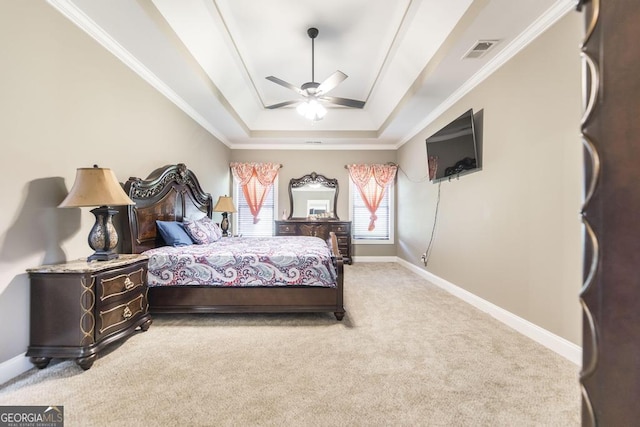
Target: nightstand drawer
[110,320]
[129,280]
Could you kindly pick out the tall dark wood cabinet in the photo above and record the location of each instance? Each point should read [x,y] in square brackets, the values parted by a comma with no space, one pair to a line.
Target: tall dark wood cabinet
[319,228]
[610,296]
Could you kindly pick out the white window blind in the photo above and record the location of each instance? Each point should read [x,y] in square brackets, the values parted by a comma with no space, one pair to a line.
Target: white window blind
[360,218]
[244,220]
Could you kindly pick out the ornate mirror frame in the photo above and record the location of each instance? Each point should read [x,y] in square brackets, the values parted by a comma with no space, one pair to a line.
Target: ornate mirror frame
[313,179]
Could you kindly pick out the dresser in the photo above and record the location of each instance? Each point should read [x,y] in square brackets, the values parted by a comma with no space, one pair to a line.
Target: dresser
[80,307]
[319,228]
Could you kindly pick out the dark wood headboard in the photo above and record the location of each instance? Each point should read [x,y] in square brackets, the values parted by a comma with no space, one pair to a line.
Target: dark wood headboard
[169,193]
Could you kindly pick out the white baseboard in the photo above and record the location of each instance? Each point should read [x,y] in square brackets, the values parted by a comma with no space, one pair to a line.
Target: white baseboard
[563,347]
[13,367]
[375,259]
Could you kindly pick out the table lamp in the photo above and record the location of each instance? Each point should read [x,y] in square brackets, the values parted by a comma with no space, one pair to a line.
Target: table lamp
[224,205]
[98,187]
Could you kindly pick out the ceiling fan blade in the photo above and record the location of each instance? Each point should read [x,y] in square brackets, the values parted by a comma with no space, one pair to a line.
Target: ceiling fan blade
[352,103]
[282,104]
[286,84]
[332,81]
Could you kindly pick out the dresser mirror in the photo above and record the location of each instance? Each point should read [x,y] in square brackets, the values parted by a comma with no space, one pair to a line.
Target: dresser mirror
[313,196]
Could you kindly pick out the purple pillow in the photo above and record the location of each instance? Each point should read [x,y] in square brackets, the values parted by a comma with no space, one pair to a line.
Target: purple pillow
[202,231]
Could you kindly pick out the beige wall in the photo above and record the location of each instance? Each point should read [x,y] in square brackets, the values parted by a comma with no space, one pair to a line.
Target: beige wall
[330,163]
[511,232]
[67,103]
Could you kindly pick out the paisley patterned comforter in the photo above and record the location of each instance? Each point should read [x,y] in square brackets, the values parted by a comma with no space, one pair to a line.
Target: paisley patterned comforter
[244,261]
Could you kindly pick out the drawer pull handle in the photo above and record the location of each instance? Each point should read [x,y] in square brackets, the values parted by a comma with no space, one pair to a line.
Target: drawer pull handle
[128,283]
[126,313]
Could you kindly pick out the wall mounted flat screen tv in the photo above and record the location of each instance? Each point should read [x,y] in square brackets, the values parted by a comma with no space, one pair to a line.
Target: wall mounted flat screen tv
[452,151]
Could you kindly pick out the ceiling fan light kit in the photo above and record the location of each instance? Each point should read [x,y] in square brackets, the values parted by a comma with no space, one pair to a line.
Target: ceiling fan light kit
[313,92]
[312,110]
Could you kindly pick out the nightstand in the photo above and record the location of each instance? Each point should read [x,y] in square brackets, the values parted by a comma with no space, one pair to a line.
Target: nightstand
[78,308]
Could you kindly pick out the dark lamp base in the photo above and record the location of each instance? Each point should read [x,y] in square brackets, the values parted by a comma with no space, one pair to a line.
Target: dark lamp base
[102,256]
[103,238]
[224,225]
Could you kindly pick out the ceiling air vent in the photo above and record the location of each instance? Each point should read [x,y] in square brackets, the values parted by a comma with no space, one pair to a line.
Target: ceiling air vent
[480,48]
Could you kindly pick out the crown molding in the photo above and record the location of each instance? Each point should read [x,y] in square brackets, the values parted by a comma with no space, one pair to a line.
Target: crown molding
[315,147]
[546,20]
[68,9]
[80,19]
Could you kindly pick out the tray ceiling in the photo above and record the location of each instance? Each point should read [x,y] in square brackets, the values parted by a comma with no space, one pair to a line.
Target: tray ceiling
[405,58]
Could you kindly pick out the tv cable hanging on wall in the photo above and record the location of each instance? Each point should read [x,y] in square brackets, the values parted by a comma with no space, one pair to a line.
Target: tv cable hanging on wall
[427,253]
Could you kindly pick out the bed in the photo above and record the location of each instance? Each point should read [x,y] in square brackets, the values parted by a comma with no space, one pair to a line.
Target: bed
[173,193]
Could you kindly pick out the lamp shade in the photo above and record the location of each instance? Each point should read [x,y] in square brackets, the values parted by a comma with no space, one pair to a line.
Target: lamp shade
[95,187]
[225,204]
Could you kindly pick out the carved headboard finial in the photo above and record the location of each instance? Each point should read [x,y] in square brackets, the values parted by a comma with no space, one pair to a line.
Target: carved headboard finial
[182,170]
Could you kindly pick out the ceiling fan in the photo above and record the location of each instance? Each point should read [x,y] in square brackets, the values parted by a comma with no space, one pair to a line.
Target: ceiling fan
[312,92]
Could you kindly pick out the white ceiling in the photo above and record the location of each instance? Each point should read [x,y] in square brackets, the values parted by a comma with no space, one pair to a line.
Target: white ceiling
[404,58]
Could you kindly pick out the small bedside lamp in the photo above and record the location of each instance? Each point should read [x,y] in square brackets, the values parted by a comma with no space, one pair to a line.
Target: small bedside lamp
[98,187]
[224,205]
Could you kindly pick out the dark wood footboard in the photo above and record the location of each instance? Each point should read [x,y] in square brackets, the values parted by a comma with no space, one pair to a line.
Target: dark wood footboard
[338,263]
[290,299]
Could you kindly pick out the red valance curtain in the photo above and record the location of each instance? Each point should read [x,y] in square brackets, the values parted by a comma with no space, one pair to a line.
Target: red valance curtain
[372,182]
[256,179]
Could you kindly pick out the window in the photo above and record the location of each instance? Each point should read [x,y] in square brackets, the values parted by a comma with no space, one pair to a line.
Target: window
[360,218]
[243,220]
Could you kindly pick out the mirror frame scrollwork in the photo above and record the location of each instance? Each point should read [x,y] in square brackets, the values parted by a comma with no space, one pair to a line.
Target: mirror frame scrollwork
[313,178]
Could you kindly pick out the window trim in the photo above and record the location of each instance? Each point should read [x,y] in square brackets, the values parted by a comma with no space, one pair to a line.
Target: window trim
[392,218]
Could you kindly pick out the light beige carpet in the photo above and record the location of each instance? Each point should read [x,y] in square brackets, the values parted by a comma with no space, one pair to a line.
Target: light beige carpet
[407,353]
